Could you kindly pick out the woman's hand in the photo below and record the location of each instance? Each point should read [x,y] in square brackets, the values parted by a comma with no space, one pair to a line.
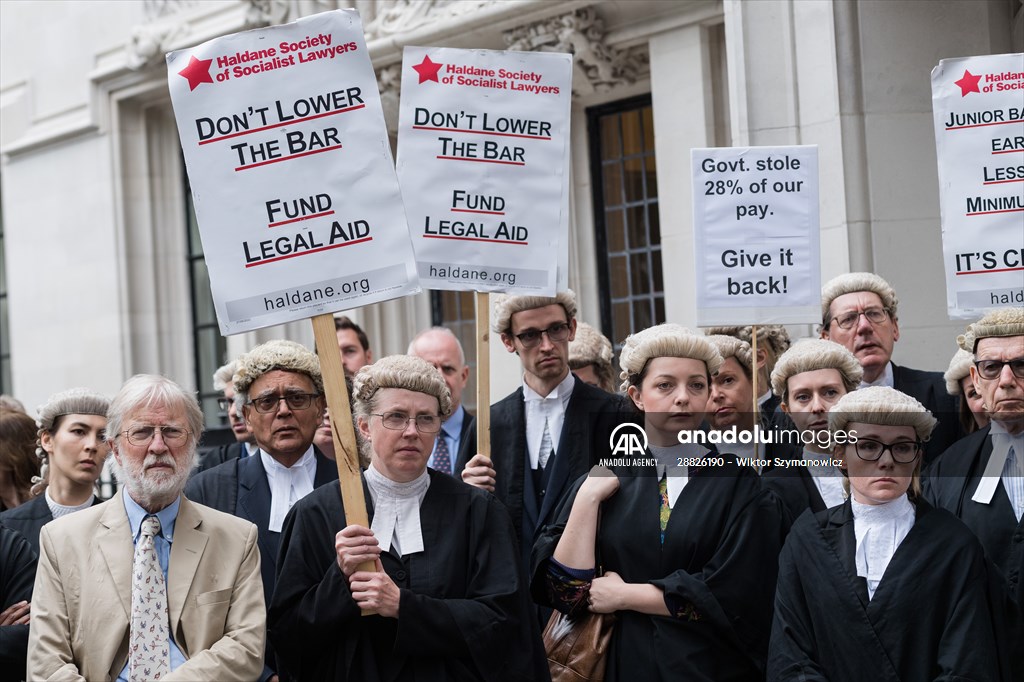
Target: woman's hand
[607,594]
[601,484]
[375,592]
[355,545]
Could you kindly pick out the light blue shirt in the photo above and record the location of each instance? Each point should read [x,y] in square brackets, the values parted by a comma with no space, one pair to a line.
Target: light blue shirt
[162,544]
[451,431]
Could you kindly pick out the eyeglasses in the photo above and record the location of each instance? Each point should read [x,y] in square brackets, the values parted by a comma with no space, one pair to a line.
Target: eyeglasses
[224,404]
[991,369]
[397,421]
[903,452]
[874,315]
[556,332]
[295,401]
[143,435]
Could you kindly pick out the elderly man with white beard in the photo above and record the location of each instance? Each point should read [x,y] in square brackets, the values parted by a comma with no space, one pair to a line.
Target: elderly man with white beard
[189,599]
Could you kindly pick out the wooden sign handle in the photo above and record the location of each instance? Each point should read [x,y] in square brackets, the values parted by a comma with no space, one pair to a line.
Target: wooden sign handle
[483,374]
[345,447]
[756,407]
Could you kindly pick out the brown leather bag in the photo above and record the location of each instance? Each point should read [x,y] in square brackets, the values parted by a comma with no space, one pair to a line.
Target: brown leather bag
[577,650]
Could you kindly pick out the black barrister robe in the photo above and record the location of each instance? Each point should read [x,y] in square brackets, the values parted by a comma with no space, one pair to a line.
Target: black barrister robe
[464,609]
[930,618]
[718,564]
[795,487]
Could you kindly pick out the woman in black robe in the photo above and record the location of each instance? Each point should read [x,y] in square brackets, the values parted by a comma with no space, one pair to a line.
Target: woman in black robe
[688,546]
[447,600]
[884,587]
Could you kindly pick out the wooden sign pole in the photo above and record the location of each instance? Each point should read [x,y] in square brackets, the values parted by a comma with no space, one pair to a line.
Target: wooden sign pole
[754,377]
[347,452]
[483,374]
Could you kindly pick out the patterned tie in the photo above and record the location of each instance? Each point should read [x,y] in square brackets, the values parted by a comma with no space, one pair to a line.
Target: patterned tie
[149,654]
[666,509]
[545,446]
[442,457]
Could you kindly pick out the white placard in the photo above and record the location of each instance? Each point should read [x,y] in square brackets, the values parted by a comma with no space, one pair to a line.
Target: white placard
[482,159]
[755,226]
[291,171]
[978,104]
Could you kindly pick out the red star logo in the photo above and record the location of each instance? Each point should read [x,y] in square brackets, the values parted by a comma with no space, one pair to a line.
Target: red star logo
[968,83]
[427,70]
[197,71]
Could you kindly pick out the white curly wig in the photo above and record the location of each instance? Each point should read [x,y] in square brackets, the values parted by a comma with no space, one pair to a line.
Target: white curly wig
[505,306]
[959,368]
[1002,322]
[398,371]
[277,354]
[664,340]
[853,282]
[812,354]
[884,406]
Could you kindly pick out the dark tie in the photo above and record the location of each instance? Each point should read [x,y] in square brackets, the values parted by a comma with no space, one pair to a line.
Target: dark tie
[442,457]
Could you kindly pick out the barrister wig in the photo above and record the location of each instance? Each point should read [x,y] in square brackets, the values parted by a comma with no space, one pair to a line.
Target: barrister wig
[505,306]
[398,371]
[222,378]
[959,369]
[1001,322]
[71,401]
[884,406]
[812,354]
[591,347]
[664,341]
[278,354]
[731,347]
[773,337]
[851,283]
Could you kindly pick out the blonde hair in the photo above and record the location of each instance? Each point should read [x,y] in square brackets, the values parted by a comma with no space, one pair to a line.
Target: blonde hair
[812,354]
[279,354]
[851,283]
[886,407]
[959,369]
[1002,322]
[660,341]
[505,306]
[732,347]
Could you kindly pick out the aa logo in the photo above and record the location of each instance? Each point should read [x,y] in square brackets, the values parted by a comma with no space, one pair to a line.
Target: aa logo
[628,440]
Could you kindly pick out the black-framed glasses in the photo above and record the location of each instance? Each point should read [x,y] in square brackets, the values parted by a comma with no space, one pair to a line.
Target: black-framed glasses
[874,316]
[556,332]
[397,421]
[295,401]
[991,369]
[143,434]
[903,452]
[224,404]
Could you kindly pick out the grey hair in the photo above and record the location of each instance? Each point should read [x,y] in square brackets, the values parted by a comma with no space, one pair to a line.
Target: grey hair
[851,283]
[437,330]
[398,371]
[505,306]
[71,401]
[279,354]
[813,354]
[664,340]
[145,390]
[224,375]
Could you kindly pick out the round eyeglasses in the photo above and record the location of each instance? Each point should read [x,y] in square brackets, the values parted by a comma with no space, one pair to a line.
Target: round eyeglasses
[295,401]
[397,421]
[556,332]
[873,315]
[143,435]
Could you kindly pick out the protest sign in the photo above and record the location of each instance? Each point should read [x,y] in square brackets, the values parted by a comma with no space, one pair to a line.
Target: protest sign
[482,161]
[291,171]
[978,105]
[755,226]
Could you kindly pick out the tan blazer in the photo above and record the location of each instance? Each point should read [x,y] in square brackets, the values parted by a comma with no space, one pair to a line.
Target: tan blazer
[82,597]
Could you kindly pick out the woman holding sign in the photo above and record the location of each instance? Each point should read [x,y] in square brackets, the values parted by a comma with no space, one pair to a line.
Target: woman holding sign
[446,601]
[687,540]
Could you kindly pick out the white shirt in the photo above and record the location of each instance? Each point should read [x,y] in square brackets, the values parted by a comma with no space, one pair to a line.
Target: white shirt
[1006,464]
[541,409]
[884,379]
[288,485]
[396,511]
[879,529]
[827,479]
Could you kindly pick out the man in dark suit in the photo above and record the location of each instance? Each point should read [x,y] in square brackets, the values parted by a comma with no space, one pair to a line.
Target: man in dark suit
[244,444]
[456,442]
[552,429]
[282,393]
[858,310]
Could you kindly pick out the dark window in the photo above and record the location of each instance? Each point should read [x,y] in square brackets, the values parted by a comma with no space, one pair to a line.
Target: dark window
[625,182]
[209,347]
[455,310]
